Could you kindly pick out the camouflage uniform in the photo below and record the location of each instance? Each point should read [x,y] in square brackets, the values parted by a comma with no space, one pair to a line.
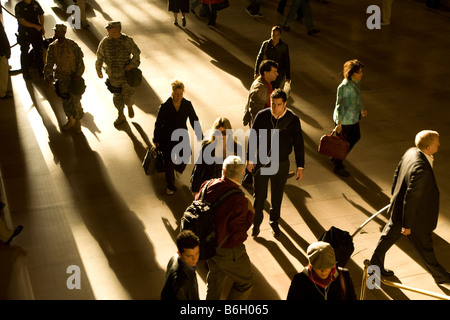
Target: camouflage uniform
[68,58]
[116,54]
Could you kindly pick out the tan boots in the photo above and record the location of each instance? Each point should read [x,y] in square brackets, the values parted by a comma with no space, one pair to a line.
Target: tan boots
[72,123]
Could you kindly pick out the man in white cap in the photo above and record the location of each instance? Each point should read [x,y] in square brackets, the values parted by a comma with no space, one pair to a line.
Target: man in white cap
[67,56]
[119,53]
[322,279]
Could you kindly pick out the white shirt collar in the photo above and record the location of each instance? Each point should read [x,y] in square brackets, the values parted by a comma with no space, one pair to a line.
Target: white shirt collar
[430,158]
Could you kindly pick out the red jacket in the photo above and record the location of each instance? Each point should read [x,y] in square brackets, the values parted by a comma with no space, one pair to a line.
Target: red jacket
[234,216]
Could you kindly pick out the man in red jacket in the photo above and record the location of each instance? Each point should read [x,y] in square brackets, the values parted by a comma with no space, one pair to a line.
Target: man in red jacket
[233,219]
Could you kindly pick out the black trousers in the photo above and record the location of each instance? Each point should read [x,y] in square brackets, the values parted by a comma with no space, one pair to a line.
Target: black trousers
[260,188]
[33,38]
[420,241]
[352,133]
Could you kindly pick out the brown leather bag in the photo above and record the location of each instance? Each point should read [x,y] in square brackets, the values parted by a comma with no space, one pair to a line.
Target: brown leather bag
[333,145]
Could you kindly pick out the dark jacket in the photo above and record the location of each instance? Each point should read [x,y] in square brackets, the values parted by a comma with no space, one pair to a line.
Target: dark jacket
[278,53]
[415,195]
[233,217]
[289,137]
[302,288]
[180,282]
[30,12]
[203,171]
[168,120]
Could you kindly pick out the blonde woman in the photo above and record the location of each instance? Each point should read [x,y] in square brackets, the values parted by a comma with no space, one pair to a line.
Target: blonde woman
[172,115]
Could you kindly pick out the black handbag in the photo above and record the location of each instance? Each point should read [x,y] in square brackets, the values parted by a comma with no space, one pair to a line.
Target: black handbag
[153,161]
[222,5]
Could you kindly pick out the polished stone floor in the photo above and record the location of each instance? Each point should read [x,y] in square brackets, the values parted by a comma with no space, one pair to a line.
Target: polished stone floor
[85,202]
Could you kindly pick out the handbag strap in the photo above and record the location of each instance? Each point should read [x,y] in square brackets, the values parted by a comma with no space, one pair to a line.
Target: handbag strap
[342,282]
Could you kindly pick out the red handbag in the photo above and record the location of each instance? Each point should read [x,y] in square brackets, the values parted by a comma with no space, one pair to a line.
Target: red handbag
[334,146]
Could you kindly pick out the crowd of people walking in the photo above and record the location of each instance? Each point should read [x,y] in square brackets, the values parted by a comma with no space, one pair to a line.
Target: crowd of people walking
[232,165]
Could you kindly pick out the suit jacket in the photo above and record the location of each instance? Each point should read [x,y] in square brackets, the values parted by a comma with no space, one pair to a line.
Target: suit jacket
[415,195]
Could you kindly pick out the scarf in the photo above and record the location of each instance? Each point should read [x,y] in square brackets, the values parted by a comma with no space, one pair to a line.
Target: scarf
[318,280]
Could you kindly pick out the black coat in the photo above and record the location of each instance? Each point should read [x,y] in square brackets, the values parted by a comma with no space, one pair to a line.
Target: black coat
[168,120]
[180,282]
[302,288]
[203,171]
[278,53]
[415,195]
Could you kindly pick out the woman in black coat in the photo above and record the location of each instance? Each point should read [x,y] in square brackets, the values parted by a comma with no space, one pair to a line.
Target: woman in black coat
[209,163]
[172,116]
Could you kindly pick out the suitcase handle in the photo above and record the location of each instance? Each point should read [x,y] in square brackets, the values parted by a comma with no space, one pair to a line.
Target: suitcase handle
[368,220]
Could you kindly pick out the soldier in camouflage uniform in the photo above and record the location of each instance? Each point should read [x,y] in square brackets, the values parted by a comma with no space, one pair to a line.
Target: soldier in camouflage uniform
[119,53]
[67,57]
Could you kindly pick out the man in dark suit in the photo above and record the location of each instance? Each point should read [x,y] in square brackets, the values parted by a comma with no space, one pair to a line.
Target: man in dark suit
[414,207]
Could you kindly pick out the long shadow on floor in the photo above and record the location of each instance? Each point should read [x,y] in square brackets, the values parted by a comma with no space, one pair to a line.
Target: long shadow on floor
[222,59]
[117,229]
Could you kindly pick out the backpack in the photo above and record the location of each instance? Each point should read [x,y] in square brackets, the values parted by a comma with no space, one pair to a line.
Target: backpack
[199,217]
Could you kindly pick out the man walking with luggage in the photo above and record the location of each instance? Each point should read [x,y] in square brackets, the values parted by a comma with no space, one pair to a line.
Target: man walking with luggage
[233,219]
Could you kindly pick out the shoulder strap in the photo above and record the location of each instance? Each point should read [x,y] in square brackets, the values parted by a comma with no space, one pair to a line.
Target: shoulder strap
[222,197]
[225,195]
[202,195]
[342,282]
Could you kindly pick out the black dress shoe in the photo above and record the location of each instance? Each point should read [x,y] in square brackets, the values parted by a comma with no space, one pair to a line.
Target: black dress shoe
[17,230]
[312,31]
[342,172]
[255,231]
[386,272]
[444,280]
[276,230]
